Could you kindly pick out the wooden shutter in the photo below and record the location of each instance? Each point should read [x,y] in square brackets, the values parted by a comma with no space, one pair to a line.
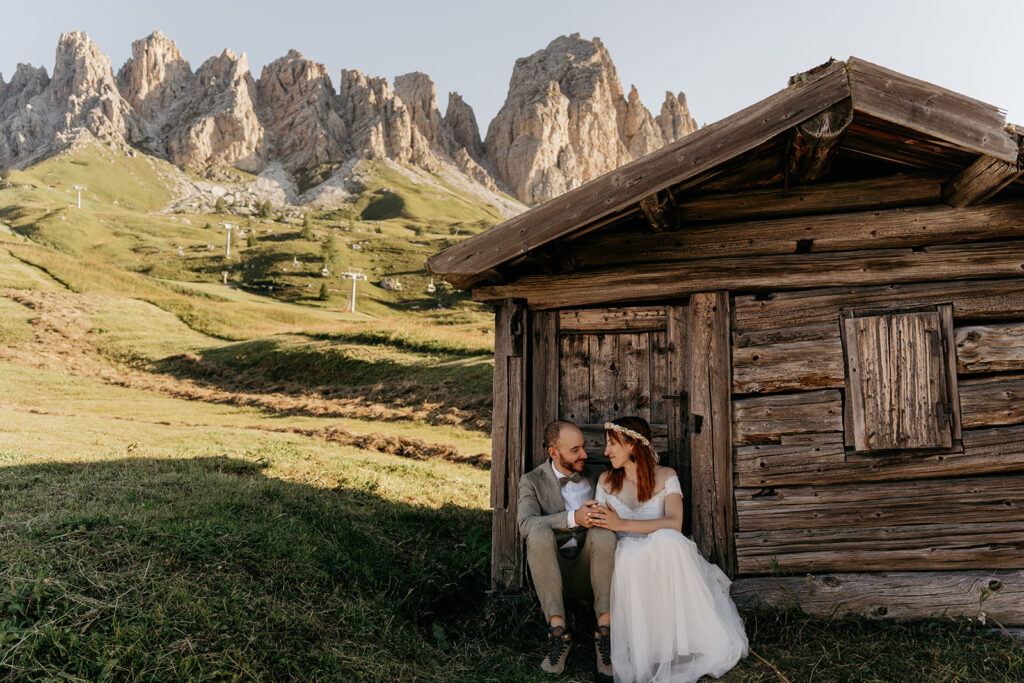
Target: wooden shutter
[900,381]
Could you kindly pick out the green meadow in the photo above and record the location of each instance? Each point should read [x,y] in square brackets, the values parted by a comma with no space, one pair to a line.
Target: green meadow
[210,482]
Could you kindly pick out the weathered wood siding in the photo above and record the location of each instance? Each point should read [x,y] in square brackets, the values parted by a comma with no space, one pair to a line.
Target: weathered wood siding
[811,499]
[508,435]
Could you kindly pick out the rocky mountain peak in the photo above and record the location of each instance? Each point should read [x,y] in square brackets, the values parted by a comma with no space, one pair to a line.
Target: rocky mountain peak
[461,121]
[675,120]
[380,125]
[637,128]
[417,92]
[566,121]
[41,115]
[26,83]
[227,130]
[83,84]
[295,103]
[153,77]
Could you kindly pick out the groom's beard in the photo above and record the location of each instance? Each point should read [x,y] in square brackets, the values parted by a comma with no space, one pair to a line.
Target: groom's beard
[577,466]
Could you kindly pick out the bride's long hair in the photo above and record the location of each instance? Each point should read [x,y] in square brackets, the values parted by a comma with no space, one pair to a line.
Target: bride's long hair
[643,455]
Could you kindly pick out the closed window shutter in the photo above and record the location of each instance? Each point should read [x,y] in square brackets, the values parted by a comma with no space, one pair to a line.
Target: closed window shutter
[898,384]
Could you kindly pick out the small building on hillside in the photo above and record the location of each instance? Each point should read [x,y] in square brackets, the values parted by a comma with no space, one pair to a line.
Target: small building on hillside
[818,304]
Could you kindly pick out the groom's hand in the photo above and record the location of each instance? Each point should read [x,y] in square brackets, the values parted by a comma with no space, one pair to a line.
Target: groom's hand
[584,514]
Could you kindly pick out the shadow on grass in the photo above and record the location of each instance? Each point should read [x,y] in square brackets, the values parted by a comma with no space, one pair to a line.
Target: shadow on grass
[206,569]
[450,388]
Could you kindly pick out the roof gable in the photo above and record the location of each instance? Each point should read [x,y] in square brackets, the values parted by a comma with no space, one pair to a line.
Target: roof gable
[952,128]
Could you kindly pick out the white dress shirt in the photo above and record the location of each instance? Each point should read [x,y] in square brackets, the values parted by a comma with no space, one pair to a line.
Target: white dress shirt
[575,494]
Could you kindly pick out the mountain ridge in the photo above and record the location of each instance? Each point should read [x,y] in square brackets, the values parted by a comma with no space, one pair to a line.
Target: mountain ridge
[565,120]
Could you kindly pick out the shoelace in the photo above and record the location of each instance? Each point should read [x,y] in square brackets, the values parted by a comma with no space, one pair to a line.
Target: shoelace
[604,644]
[558,644]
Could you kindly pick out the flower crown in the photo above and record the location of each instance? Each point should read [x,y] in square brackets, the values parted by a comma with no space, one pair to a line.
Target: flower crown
[636,436]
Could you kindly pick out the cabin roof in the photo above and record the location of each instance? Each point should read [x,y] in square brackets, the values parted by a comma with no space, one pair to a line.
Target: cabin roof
[841,121]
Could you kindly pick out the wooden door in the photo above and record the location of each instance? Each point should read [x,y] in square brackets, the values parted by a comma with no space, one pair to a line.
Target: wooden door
[589,366]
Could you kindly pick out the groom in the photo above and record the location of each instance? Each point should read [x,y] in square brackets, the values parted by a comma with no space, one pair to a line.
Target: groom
[568,557]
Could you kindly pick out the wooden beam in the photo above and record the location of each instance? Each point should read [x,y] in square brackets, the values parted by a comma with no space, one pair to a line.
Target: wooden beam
[877,504]
[980,181]
[990,348]
[905,227]
[543,369]
[676,162]
[554,258]
[711,447]
[507,443]
[815,142]
[674,380]
[766,273]
[943,545]
[660,211]
[992,401]
[824,460]
[975,301]
[767,419]
[794,359]
[591,320]
[892,595]
[855,195]
[952,118]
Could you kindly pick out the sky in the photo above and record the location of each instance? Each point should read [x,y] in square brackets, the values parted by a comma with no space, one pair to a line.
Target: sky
[724,55]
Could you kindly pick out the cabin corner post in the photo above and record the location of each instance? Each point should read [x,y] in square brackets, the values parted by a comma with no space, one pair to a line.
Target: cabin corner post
[711,438]
[508,431]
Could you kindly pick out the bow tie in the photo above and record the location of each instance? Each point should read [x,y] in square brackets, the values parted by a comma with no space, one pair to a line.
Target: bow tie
[572,478]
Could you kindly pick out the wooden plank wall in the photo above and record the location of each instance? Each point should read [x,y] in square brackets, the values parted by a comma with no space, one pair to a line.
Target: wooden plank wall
[806,503]
[613,362]
[543,370]
[507,442]
[710,448]
[998,594]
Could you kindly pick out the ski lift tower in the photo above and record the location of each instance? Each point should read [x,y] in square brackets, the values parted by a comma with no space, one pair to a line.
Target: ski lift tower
[80,188]
[355,276]
[227,246]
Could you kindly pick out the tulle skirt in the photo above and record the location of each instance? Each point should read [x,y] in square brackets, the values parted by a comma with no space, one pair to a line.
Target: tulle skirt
[672,617]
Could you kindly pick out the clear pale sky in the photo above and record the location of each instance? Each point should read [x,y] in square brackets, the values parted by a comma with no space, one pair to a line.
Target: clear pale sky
[723,55]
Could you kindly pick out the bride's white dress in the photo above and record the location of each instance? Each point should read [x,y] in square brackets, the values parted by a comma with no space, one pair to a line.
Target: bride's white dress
[672,617]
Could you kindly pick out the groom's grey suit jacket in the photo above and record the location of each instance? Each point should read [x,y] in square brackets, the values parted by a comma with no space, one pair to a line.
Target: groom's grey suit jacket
[541,504]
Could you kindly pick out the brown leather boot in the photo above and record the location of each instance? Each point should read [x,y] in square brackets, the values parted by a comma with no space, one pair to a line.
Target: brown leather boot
[559,642]
[603,648]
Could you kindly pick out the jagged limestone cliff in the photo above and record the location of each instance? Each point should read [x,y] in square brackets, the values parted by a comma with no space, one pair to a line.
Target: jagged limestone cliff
[565,119]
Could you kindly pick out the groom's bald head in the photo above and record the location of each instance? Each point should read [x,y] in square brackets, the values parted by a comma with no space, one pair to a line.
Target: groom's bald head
[553,432]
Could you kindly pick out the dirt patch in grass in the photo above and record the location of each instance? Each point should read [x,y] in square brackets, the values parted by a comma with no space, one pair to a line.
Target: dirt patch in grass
[61,342]
[403,446]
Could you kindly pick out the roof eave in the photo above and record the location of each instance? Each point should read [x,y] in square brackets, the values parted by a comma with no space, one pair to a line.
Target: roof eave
[957,120]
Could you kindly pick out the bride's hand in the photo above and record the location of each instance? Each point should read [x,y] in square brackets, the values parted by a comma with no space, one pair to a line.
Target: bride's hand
[606,517]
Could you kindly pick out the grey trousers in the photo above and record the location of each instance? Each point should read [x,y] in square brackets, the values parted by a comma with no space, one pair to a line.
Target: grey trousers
[557,578]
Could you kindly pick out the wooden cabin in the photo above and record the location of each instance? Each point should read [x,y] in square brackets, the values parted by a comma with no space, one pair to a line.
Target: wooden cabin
[818,304]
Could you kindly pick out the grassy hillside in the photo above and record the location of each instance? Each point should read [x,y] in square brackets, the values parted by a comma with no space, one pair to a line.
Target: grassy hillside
[240,482]
[401,217]
[149,538]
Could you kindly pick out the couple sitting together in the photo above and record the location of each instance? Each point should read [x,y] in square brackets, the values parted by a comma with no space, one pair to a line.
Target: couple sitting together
[663,611]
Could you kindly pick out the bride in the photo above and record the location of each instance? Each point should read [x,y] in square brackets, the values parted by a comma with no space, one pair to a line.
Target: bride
[671,615]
